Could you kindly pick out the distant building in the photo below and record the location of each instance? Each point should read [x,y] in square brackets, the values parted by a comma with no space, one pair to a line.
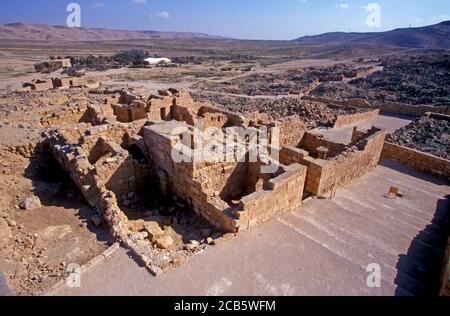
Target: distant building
[53,65]
[157,61]
[60,63]
[59,83]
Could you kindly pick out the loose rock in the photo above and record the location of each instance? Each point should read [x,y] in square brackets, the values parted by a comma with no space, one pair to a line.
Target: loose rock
[164,242]
[153,230]
[30,203]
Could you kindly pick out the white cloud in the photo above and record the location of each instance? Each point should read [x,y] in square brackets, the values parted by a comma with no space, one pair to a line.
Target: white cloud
[99,5]
[139,1]
[163,15]
[343,6]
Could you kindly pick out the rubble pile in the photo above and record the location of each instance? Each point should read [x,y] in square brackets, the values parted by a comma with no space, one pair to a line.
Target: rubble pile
[407,79]
[294,81]
[314,114]
[428,135]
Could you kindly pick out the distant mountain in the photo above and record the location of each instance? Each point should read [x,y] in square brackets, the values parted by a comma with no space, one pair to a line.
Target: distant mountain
[432,37]
[23,31]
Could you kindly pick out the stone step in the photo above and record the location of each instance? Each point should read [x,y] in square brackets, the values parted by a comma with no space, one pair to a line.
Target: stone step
[388,233]
[434,235]
[408,271]
[343,249]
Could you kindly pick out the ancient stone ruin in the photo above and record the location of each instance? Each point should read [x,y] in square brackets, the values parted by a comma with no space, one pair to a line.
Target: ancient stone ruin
[59,83]
[133,150]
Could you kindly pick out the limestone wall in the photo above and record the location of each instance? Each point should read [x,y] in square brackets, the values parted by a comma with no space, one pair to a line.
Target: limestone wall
[386,106]
[417,160]
[65,117]
[311,142]
[346,120]
[360,103]
[292,131]
[326,176]
[210,188]
[280,194]
[73,159]
[177,179]
[349,166]
[412,110]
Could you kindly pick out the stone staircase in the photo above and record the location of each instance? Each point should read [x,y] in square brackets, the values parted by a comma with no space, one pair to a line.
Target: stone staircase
[406,236]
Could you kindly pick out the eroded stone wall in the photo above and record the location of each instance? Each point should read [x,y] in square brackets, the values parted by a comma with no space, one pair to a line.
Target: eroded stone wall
[351,119]
[278,195]
[386,106]
[417,160]
[344,164]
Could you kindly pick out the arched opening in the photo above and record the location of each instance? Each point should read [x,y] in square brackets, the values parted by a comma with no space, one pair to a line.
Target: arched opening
[137,154]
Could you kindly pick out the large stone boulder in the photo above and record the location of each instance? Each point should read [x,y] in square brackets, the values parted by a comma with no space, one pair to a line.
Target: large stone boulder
[30,203]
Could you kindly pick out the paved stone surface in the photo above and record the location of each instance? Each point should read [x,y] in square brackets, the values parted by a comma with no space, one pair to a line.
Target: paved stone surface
[389,122]
[323,248]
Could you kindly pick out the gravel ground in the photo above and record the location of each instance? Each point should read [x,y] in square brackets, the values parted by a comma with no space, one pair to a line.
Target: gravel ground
[314,113]
[426,134]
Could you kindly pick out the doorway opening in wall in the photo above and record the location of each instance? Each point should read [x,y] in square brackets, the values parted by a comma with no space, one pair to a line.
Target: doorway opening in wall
[137,154]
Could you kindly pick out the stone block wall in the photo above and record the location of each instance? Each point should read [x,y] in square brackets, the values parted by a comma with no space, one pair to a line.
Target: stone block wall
[212,120]
[292,131]
[232,119]
[411,110]
[279,195]
[210,188]
[346,120]
[346,163]
[66,117]
[359,103]
[417,160]
[177,179]
[348,166]
[127,113]
[386,106]
[311,142]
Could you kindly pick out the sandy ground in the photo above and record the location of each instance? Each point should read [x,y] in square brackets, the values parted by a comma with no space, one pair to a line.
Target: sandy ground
[38,244]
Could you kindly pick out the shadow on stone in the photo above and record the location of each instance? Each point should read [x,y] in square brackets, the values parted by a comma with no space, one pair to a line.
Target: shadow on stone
[419,270]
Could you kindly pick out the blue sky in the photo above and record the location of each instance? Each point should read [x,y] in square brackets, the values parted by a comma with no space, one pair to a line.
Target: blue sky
[247,19]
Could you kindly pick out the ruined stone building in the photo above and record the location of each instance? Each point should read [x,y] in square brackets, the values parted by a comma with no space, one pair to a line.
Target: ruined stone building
[59,83]
[133,143]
